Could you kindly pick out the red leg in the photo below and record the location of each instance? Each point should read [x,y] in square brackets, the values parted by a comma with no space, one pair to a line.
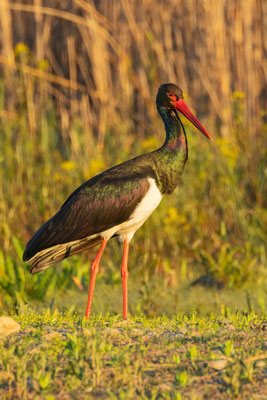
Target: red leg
[124,276]
[94,272]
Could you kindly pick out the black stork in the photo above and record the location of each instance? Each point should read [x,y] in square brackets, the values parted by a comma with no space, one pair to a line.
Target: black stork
[118,201]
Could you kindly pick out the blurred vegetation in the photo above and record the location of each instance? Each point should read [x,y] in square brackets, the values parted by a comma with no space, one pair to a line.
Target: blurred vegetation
[78,96]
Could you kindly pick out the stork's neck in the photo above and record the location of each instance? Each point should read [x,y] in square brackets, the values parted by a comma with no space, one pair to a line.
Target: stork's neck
[175,133]
[171,157]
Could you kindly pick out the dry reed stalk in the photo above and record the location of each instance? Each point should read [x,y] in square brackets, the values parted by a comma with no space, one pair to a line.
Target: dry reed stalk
[87,123]
[73,73]
[7,47]
[66,16]
[9,115]
[6,27]
[39,30]
[90,9]
[26,69]
[123,50]
[31,110]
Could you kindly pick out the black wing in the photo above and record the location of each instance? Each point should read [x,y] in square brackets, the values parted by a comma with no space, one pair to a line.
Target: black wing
[99,204]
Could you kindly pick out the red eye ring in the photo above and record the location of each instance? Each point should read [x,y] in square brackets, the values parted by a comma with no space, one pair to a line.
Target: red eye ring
[171,96]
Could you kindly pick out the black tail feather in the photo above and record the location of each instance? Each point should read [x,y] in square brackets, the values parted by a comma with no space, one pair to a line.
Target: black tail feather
[48,257]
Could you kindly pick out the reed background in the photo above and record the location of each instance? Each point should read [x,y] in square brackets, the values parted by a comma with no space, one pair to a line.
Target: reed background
[78,81]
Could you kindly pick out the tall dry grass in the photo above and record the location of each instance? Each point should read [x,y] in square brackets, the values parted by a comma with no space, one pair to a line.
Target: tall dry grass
[105,59]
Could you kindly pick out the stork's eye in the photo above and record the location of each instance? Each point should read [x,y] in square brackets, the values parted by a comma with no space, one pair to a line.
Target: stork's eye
[171,96]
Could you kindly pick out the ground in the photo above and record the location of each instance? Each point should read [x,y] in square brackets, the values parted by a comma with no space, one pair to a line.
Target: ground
[61,355]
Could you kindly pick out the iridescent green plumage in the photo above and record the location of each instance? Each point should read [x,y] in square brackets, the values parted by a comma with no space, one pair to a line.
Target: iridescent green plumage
[170,159]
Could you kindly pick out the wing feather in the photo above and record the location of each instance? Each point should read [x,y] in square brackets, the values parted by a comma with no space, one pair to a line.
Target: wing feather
[48,257]
[99,204]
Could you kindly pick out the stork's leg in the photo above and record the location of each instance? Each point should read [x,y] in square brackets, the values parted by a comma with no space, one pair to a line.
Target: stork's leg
[124,276]
[94,272]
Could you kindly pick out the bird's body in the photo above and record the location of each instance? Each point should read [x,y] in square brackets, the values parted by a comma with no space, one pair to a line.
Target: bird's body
[116,202]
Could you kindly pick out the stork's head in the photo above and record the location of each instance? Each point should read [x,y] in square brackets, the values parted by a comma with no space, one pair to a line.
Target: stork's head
[171,96]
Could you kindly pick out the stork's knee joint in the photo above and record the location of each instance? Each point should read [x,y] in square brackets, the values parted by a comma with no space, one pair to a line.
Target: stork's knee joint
[95,268]
[124,274]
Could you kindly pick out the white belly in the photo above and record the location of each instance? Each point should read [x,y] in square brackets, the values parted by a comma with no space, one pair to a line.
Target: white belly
[144,209]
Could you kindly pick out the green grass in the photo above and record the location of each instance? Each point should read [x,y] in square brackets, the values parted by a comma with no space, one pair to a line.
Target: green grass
[61,355]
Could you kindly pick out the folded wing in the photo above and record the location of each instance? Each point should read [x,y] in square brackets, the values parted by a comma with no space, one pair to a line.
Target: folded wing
[99,204]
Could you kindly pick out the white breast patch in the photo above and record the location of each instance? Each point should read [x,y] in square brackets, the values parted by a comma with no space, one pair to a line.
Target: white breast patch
[144,209]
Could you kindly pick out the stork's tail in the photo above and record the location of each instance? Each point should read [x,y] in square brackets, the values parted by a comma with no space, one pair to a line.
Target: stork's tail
[52,255]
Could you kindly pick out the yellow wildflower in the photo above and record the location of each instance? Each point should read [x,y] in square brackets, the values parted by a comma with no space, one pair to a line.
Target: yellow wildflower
[173,214]
[175,217]
[238,95]
[47,170]
[202,175]
[58,177]
[150,143]
[228,149]
[21,48]
[43,65]
[68,165]
[95,167]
